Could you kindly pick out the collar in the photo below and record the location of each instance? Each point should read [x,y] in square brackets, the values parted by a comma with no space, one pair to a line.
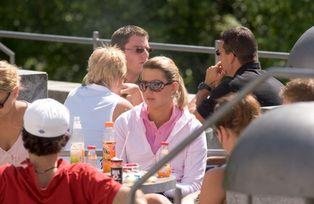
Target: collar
[27,164]
[97,87]
[174,114]
[248,66]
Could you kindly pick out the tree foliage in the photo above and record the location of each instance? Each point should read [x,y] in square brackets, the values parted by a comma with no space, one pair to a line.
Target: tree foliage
[277,25]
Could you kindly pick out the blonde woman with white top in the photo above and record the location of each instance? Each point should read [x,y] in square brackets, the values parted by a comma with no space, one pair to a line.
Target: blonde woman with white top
[98,101]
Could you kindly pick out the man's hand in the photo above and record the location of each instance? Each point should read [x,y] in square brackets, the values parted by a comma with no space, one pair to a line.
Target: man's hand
[214,74]
[132,93]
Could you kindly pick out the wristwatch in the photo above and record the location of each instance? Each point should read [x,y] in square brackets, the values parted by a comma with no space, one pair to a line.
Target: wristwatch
[203,85]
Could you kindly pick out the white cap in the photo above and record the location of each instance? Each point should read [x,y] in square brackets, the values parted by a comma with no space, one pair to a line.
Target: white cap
[46,118]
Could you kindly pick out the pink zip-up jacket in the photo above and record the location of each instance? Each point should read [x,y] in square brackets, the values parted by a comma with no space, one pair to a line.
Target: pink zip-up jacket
[188,166]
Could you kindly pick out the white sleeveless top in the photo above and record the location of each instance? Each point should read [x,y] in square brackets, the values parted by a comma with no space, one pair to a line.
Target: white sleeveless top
[94,104]
[15,155]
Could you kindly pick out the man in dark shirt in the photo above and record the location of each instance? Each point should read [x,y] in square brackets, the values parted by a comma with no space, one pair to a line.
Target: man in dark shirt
[238,65]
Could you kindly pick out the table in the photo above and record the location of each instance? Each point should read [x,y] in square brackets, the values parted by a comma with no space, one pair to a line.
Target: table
[157,186]
[161,185]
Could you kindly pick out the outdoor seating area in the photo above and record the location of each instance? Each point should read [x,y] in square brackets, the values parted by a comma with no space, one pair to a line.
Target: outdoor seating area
[244,137]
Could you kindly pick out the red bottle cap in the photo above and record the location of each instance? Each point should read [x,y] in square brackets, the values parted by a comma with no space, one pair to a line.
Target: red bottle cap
[164,143]
[91,147]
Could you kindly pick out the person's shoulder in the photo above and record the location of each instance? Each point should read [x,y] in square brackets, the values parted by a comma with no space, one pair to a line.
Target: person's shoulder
[134,112]
[123,103]
[21,107]
[73,94]
[7,168]
[76,89]
[190,118]
[215,175]
[122,106]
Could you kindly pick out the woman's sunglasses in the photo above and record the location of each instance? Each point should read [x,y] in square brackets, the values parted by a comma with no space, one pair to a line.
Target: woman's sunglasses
[155,85]
[5,100]
[140,50]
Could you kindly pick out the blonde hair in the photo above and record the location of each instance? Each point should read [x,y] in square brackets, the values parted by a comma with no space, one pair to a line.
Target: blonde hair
[171,71]
[9,77]
[105,66]
[298,90]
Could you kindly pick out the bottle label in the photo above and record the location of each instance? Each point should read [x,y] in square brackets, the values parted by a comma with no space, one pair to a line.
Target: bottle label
[116,174]
[165,171]
[109,151]
[77,153]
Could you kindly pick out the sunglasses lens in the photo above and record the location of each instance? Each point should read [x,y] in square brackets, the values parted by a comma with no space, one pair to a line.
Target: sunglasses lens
[139,50]
[156,86]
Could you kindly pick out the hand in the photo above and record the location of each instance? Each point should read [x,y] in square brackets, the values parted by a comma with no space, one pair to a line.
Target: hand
[214,74]
[132,93]
[192,104]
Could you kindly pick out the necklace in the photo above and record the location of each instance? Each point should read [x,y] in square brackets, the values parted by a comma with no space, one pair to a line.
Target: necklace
[45,171]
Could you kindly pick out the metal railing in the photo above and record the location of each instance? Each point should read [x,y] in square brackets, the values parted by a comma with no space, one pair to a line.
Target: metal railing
[9,52]
[96,41]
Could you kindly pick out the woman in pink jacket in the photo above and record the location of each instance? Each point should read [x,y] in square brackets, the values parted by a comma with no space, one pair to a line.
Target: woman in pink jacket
[162,117]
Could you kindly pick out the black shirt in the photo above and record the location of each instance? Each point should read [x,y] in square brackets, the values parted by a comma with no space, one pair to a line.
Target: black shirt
[266,93]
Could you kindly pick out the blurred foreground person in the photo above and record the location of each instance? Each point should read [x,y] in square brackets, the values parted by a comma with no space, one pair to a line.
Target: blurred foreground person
[298,90]
[228,129]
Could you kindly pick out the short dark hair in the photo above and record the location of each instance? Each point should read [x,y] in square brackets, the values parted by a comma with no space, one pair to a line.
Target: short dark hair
[241,42]
[41,146]
[121,36]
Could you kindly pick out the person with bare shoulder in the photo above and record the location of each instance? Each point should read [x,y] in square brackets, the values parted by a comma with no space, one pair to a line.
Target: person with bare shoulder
[228,130]
[46,178]
[11,116]
[98,101]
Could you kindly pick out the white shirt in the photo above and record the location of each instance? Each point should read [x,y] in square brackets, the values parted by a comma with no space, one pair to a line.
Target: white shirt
[94,104]
[15,155]
[188,166]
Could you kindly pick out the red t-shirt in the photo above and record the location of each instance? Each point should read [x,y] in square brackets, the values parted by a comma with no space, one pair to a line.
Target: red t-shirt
[78,183]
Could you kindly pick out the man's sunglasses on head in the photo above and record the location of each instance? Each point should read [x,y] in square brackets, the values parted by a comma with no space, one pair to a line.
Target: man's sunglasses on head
[140,50]
[155,85]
